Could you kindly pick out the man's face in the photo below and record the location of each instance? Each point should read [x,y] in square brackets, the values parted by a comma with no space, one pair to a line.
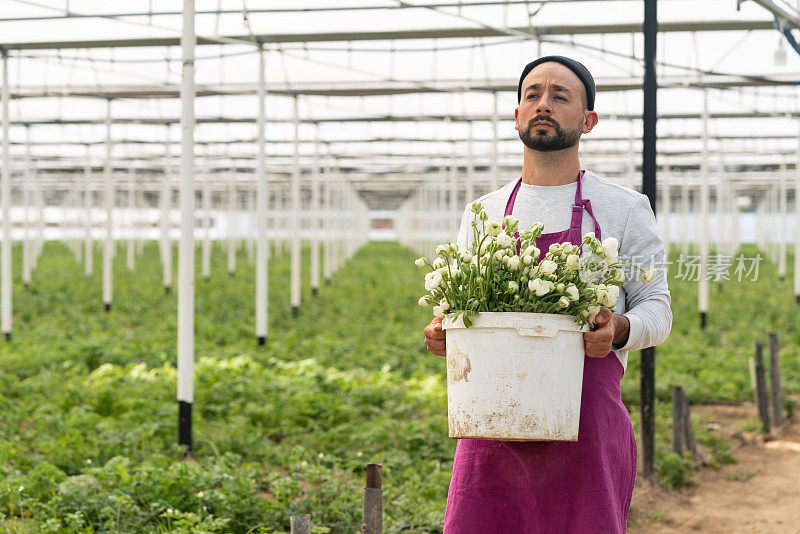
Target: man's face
[550,115]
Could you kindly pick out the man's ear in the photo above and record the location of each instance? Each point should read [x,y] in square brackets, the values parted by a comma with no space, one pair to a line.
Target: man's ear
[516,118]
[589,121]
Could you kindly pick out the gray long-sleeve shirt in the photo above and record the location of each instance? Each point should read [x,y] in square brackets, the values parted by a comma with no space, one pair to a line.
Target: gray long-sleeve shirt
[621,212]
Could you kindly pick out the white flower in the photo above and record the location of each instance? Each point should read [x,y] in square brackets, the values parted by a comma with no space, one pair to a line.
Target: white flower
[572,262]
[504,240]
[563,302]
[444,305]
[555,247]
[539,287]
[438,311]
[438,263]
[423,301]
[611,296]
[537,227]
[485,246]
[510,221]
[648,275]
[452,247]
[548,267]
[573,292]
[441,250]
[588,237]
[567,248]
[610,249]
[476,207]
[200,494]
[493,228]
[432,280]
[513,287]
[560,288]
[527,260]
[419,262]
[593,311]
[498,256]
[466,257]
[513,263]
[19,489]
[619,276]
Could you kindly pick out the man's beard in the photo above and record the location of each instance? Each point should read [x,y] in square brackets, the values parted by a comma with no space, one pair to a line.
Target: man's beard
[543,142]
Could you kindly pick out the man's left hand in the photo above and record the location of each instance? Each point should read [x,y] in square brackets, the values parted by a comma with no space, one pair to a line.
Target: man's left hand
[607,327]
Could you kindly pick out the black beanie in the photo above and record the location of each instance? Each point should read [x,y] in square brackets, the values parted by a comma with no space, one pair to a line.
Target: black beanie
[578,68]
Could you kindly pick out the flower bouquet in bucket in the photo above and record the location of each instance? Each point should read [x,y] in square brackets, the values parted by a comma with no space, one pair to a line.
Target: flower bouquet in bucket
[515,318]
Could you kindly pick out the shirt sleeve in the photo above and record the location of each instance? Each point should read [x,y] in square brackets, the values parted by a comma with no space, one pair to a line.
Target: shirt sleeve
[647,305]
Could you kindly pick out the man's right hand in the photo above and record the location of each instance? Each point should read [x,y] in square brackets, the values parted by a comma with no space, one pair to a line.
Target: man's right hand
[435,337]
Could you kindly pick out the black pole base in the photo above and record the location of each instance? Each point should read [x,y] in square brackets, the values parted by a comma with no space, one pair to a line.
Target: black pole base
[295,311]
[206,278]
[107,306]
[797,298]
[703,320]
[315,291]
[167,290]
[327,281]
[7,335]
[231,273]
[185,424]
[262,340]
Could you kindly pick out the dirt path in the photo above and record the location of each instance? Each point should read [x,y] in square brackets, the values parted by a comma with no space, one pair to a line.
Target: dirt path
[760,494]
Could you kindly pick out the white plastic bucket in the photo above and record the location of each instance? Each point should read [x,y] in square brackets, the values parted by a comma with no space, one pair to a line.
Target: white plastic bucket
[515,376]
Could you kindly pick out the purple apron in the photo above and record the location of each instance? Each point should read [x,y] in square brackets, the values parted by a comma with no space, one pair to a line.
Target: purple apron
[583,487]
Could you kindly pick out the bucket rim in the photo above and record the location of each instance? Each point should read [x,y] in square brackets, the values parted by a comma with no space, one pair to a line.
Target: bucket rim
[516,320]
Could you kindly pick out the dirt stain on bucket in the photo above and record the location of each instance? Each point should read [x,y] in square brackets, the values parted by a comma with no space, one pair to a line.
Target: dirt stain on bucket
[458,367]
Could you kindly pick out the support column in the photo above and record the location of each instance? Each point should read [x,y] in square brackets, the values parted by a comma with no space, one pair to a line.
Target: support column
[131,252]
[262,250]
[782,222]
[229,226]
[88,247]
[493,181]
[26,242]
[206,254]
[166,205]
[5,190]
[295,220]
[314,216]
[704,178]
[470,164]
[108,202]
[186,248]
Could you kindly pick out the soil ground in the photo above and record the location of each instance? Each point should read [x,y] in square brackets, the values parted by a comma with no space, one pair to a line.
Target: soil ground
[760,494]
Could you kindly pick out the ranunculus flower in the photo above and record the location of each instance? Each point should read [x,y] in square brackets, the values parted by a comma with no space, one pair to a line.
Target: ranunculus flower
[438,311]
[493,228]
[441,250]
[513,287]
[438,263]
[548,266]
[419,262]
[563,302]
[539,287]
[527,260]
[593,311]
[648,275]
[611,295]
[510,221]
[444,304]
[573,292]
[432,280]
[572,262]
[466,256]
[423,301]
[610,249]
[504,240]
[513,263]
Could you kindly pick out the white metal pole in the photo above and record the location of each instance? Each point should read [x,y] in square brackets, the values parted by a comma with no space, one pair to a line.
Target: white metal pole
[314,216]
[704,178]
[797,224]
[262,245]
[206,257]
[186,249]
[327,249]
[470,164]
[76,242]
[782,222]
[108,201]
[666,213]
[26,242]
[88,247]
[295,221]
[493,180]
[6,284]
[454,219]
[130,259]
[229,233]
[685,219]
[166,204]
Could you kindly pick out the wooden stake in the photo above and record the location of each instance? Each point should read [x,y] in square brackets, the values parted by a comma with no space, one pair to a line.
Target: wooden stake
[775,379]
[677,420]
[761,386]
[751,364]
[372,504]
[300,524]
